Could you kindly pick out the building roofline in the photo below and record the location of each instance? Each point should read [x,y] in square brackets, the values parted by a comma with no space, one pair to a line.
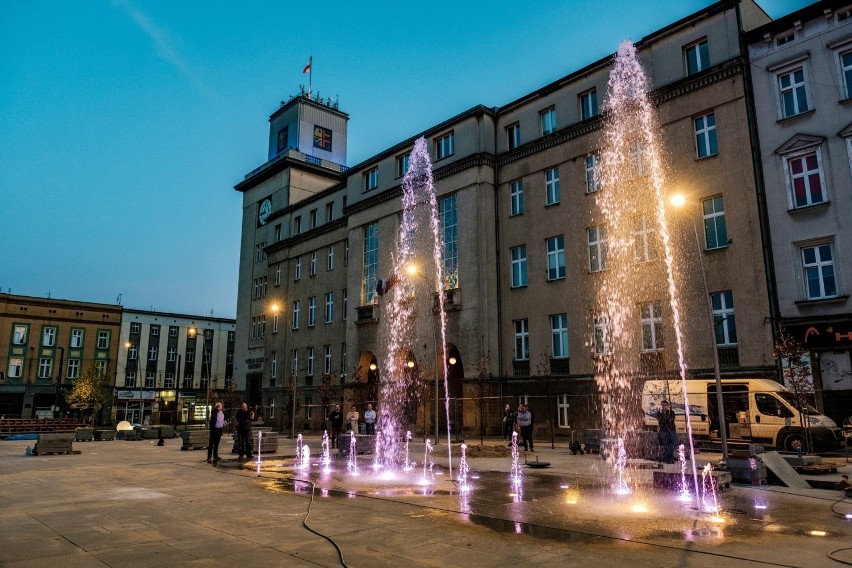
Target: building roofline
[280,165]
[328,107]
[809,12]
[10,298]
[131,311]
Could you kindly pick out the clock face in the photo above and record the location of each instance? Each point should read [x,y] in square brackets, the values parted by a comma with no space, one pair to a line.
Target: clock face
[264,211]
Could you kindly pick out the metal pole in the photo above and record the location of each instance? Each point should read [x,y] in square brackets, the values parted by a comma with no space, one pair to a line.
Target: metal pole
[438,358]
[58,382]
[141,404]
[720,403]
[178,380]
[293,412]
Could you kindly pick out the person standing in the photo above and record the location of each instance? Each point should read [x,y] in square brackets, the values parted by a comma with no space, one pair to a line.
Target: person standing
[667,433]
[352,420]
[370,419]
[217,426]
[336,419]
[509,418]
[525,422]
[244,419]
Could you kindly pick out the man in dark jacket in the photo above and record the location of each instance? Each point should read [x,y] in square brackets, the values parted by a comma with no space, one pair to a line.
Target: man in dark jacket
[336,419]
[217,426]
[667,433]
[244,419]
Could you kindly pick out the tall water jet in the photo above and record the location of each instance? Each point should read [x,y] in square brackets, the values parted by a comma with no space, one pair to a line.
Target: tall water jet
[408,316]
[326,453]
[626,244]
[516,475]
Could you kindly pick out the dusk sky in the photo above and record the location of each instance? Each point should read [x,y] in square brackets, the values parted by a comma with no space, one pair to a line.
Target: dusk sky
[125,124]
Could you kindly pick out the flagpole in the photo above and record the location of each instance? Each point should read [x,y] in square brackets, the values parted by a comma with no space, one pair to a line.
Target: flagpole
[310,76]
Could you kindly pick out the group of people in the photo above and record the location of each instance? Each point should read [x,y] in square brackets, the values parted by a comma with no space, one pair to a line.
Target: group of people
[242,426]
[352,418]
[520,420]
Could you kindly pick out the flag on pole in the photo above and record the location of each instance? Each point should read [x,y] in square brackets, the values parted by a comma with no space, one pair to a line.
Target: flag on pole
[307,68]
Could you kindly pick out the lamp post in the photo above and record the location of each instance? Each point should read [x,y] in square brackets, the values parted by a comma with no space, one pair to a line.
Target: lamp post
[679,200]
[58,382]
[177,392]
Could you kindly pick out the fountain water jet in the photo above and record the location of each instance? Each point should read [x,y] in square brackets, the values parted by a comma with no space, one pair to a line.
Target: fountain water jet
[326,453]
[516,475]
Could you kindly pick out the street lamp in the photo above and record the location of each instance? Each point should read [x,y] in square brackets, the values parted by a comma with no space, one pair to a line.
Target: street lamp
[679,200]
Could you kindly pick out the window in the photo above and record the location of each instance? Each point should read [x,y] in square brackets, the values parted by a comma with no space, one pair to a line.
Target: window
[20,335]
[597,248]
[705,136]
[130,378]
[371,261]
[326,365]
[76,338]
[275,322]
[229,358]
[519,266]
[187,380]
[135,327]
[15,365]
[588,104]
[793,92]
[232,336]
[402,163]
[715,228]
[329,259]
[277,232]
[101,367]
[548,121]
[638,154]
[173,331]
[153,351]
[169,381]
[445,145]
[48,336]
[132,353]
[297,270]
[522,340]
[294,369]
[592,172]
[329,211]
[371,179]
[516,193]
[103,339]
[513,135]
[559,334]
[804,173]
[310,370]
[73,368]
[171,354]
[329,307]
[313,269]
[448,216]
[312,311]
[818,267]
[724,320]
[645,238]
[697,57]
[551,185]
[155,330]
[296,308]
[783,38]
[345,302]
[297,225]
[259,253]
[312,219]
[846,71]
[556,258]
[562,411]
[45,366]
[190,352]
[282,139]
[652,326]
[346,252]
[278,274]
[273,364]
[150,380]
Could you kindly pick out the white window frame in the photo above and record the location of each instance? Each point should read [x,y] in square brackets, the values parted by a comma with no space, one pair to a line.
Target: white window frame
[329,260]
[169,381]
[403,162]
[103,339]
[310,370]
[724,321]
[171,354]
[155,329]
[326,366]
[712,219]
[130,378]
[278,274]
[791,178]
[651,319]
[645,244]
[559,336]
[16,365]
[48,336]
[135,327]
[345,303]
[297,270]
[294,365]
[547,119]
[513,136]
[519,266]
[592,163]
[555,258]
[819,264]
[445,145]
[588,104]
[150,379]
[371,179]
[153,352]
[551,186]
[312,219]
[706,133]
[516,198]
[562,406]
[76,338]
[793,89]
[312,311]
[702,65]
[273,364]
[313,267]
[297,307]
[522,339]
[275,322]
[601,335]
[73,370]
[329,307]
[845,72]
[45,367]
[597,242]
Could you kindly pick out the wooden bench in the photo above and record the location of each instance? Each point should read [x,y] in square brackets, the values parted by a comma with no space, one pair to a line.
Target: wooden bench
[54,443]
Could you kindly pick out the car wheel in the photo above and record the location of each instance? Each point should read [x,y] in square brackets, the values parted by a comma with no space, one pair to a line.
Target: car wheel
[793,442]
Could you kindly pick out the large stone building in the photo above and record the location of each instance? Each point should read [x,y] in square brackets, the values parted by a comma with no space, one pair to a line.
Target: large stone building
[519,199]
[171,367]
[802,75]
[47,343]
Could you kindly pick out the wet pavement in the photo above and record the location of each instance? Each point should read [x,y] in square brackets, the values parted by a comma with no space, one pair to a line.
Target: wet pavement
[123,503]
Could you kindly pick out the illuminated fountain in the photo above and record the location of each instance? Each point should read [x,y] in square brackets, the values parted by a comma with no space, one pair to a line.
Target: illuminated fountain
[464,485]
[326,453]
[352,464]
[428,476]
[516,474]
[685,495]
[627,240]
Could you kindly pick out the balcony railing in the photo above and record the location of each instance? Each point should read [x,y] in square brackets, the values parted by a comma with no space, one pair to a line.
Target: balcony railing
[560,366]
[296,155]
[452,300]
[521,368]
[729,357]
[366,314]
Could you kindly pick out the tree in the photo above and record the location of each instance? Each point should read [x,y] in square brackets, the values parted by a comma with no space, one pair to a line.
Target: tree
[484,389]
[796,370]
[231,398]
[89,392]
[329,390]
[543,368]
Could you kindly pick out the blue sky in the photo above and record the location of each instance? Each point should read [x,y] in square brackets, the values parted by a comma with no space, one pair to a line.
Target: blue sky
[124,124]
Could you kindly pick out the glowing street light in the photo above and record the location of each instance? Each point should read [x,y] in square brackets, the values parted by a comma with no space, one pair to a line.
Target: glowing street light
[679,200]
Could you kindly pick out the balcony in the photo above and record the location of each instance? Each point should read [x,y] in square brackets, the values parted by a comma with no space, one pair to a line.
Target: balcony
[366,314]
[521,368]
[452,300]
[729,357]
[560,366]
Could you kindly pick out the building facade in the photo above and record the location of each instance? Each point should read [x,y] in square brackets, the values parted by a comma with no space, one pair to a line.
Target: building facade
[520,213]
[172,367]
[802,76]
[46,344]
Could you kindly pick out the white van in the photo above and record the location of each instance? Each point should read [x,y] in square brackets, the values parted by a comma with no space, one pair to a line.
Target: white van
[758,411]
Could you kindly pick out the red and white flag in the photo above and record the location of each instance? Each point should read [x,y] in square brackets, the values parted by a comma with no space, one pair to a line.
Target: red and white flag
[307,68]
